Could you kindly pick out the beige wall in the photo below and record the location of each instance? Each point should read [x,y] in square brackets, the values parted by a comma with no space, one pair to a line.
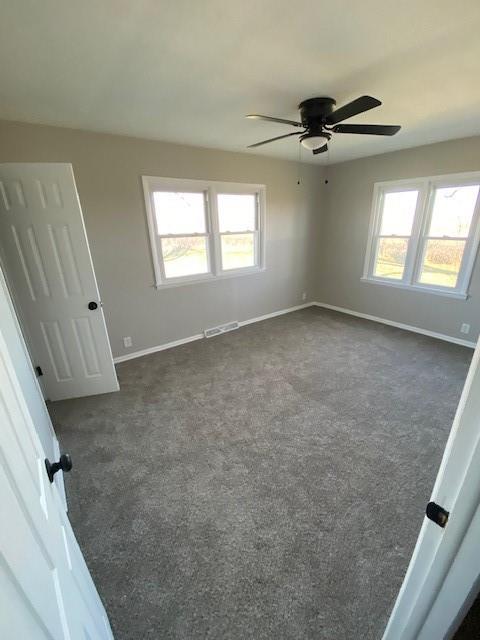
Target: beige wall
[108,170]
[316,234]
[346,216]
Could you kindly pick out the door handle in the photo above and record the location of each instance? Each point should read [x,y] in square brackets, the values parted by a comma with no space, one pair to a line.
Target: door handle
[65,464]
[92,306]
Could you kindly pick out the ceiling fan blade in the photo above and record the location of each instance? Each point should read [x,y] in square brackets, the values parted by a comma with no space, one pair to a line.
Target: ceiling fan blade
[255,116]
[320,149]
[364,103]
[368,129]
[287,135]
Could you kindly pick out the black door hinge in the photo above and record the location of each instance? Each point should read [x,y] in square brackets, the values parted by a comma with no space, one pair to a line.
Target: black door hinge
[39,371]
[437,514]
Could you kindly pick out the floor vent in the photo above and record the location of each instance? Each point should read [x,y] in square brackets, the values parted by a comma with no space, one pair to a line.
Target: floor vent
[223,328]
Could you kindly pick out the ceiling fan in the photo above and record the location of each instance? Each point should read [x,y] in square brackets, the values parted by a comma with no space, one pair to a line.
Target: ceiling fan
[319,121]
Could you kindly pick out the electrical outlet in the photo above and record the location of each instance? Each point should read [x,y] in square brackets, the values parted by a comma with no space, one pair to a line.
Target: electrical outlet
[304,296]
[465,328]
[127,342]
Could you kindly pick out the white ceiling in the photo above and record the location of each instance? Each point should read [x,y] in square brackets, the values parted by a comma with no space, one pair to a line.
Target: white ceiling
[187,71]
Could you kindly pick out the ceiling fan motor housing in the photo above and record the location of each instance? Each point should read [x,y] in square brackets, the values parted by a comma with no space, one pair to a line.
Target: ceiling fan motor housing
[314,111]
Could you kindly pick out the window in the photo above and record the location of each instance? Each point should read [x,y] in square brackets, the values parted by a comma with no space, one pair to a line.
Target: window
[237,225]
[424,234]
[203,230]
[181,227]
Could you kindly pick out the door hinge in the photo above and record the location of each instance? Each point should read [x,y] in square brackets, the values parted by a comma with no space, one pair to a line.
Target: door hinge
[437,514]
[38,371]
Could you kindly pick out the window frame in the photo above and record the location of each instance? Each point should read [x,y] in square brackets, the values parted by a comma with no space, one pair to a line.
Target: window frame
[426,187]
[212,230]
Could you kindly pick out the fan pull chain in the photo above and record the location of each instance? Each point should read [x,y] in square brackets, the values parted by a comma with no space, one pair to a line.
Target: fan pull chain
[299,165]
[327,165]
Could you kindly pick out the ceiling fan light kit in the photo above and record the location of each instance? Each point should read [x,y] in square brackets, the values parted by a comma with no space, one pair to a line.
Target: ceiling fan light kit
[313,141]
[319,120]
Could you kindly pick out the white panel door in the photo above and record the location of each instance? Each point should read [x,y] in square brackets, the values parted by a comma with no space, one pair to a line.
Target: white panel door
[46,591]
[28,381]
[49,267]
[444,567]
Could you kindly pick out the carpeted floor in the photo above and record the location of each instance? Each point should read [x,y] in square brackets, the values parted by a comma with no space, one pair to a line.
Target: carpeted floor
[470,627]
[266,484]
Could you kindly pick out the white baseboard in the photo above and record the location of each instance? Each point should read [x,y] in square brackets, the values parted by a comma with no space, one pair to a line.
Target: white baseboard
[242,323]
[159,347]
[267,316]
[199,336]
[398,325]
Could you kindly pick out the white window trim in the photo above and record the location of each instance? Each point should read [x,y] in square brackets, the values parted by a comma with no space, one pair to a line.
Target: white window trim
[212,235]
[423,212]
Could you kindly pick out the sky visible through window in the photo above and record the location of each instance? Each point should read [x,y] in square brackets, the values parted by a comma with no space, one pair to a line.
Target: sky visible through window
[183,214]
[179,213]
[453,210]
[236,212]
[176,214]
[397,220]
[445,240]
[452,215]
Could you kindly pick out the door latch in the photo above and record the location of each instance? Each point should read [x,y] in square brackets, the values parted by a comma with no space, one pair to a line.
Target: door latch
[437,514]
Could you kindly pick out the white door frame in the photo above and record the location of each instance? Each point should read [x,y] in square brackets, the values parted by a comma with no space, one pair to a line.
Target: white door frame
[443,576]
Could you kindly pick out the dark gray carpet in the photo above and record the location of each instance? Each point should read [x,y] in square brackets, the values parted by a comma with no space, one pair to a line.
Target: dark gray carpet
[269,483]
[470,627]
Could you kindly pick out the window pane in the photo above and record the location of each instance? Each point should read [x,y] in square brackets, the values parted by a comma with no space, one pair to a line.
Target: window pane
[441,262]
[236,212]
[453,211]
[184,256]
[391,255]
[238,251]
[398,213]
[179,213]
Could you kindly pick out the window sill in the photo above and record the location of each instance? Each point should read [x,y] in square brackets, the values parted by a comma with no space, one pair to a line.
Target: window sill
[456,295]
[235,273]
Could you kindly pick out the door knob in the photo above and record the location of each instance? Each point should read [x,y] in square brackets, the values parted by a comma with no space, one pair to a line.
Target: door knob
[65,464]
[92,306]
